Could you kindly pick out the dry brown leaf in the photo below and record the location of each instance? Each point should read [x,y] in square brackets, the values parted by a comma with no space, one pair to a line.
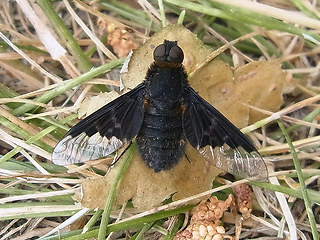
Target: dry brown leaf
[258,83]
[148,189]
[89,106]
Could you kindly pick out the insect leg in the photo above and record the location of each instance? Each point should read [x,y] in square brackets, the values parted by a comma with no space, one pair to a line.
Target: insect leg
[121,154]
[187,157]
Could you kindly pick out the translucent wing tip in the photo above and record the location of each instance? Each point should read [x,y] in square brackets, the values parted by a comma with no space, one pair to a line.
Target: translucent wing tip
[237,162]
[59,154]
[82,148]
[248,165]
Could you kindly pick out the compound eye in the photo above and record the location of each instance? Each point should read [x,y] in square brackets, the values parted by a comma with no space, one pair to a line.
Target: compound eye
[176,54]
[159,53]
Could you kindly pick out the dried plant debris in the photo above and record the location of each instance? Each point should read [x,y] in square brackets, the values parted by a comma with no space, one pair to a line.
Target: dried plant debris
[206,219]
[243,196]
[121,41]
[216,82]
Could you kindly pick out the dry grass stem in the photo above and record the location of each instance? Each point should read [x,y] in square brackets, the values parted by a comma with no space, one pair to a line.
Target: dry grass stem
[256,62]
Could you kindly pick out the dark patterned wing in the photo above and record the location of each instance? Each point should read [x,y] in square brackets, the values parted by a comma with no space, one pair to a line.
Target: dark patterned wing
[104,131]
[206,128]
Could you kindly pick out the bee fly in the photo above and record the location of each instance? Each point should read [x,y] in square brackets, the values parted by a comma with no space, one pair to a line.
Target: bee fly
[164,114]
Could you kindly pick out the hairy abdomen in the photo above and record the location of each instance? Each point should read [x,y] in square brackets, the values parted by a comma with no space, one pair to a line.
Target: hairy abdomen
[161,141]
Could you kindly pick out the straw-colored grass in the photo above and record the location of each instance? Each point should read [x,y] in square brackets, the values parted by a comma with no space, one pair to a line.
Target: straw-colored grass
[53,55]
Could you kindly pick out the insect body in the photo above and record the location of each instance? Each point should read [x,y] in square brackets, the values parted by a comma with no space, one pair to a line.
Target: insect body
[161,140]
[164,114]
